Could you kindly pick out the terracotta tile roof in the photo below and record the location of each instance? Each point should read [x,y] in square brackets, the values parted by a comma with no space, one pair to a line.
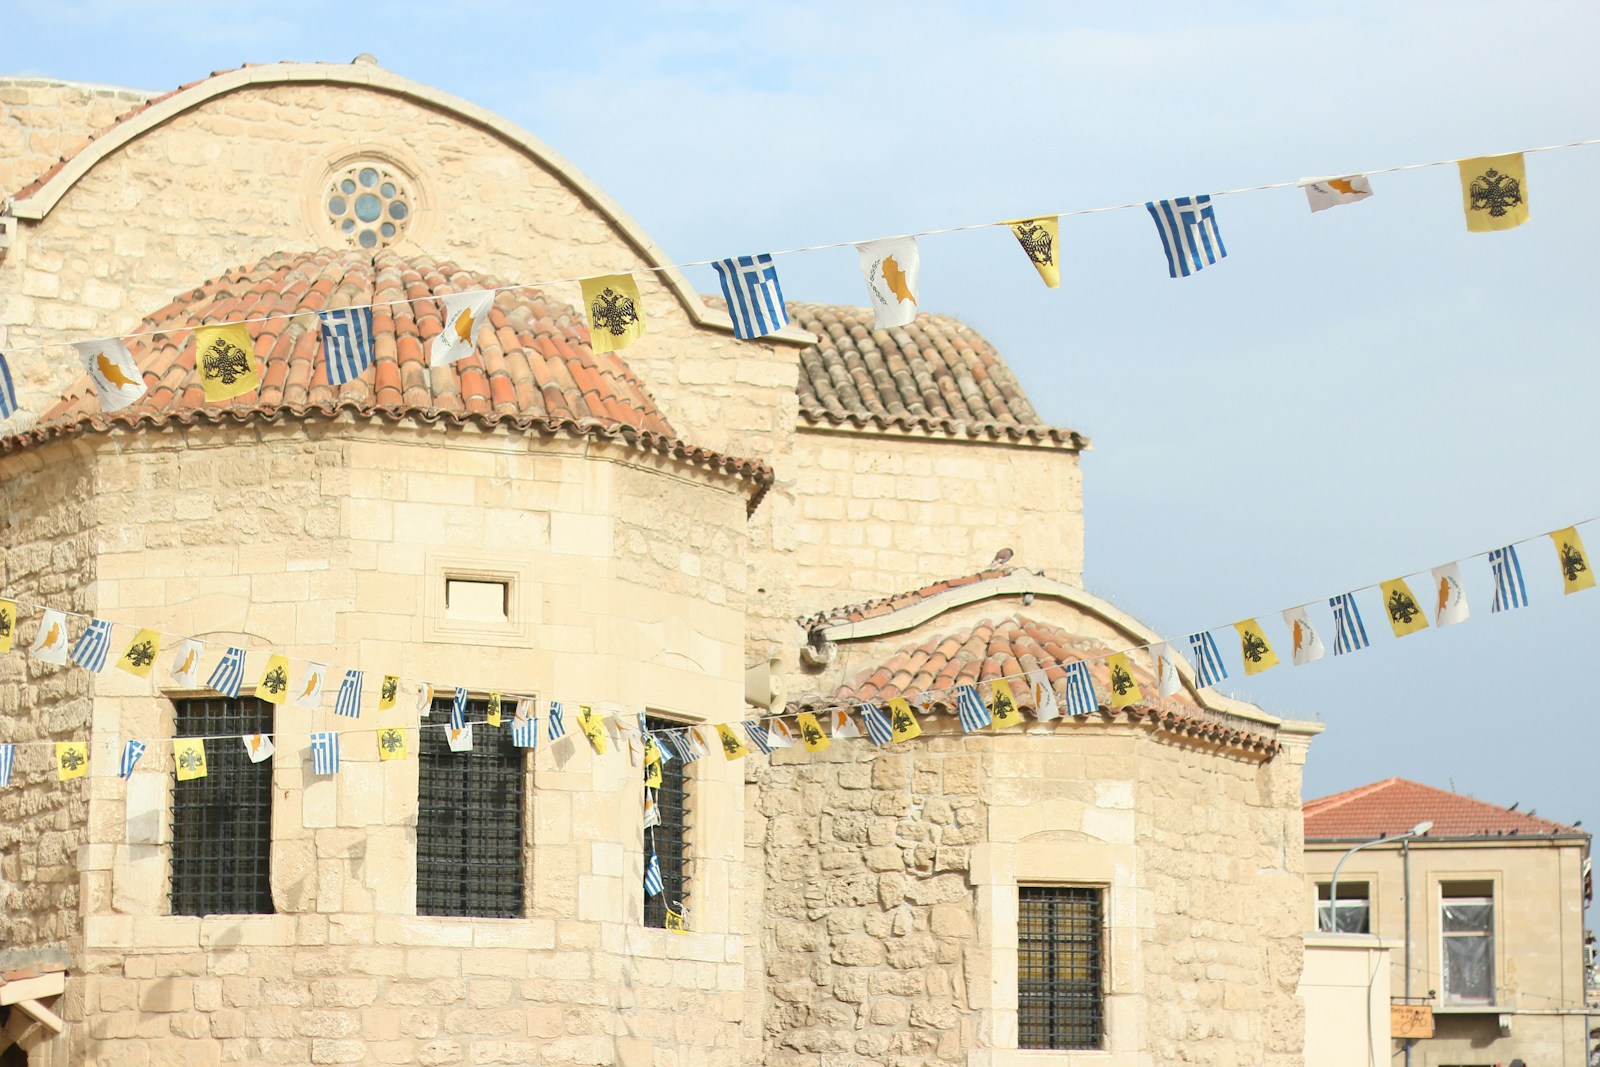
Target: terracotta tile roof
[533,367]
[1395,805]
[1010,647]
[937,375]
[871,609]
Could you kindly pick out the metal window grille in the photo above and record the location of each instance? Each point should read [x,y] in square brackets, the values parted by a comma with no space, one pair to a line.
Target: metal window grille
[222,823]
[1060,967]
[470,855]
[669,839]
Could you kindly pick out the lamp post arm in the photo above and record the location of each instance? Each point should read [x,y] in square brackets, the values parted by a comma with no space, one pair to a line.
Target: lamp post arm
[1333,888]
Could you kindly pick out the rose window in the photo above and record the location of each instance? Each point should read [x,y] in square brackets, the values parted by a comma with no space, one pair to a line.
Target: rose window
[370,204]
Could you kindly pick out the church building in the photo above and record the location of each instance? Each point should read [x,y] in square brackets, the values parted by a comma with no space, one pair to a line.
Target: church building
[693,530]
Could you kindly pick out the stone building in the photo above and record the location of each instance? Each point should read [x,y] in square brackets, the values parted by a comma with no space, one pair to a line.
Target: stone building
[630,530]
[1485,910]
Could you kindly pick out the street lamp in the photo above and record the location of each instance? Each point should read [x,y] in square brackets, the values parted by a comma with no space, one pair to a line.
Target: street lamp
[1333,889]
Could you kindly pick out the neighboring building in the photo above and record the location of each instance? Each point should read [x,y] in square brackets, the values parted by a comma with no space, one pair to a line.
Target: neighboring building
[630,529]
[1496,940]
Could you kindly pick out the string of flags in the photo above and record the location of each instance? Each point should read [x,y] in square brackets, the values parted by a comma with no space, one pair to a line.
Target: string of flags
[896,721]
[1494,193]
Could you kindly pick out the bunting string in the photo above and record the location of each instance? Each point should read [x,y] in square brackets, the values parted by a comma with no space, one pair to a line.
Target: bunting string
[772,730]
[825,246]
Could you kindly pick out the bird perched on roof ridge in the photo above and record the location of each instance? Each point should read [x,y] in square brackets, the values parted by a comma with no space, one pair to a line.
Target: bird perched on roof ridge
[1002,556]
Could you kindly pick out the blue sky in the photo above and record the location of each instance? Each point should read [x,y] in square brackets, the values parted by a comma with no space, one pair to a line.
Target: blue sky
[1349,397]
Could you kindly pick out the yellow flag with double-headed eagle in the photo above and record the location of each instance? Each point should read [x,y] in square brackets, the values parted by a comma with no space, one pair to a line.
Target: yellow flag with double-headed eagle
[225,359]
[1494,192]
[1041,240]
[616,314]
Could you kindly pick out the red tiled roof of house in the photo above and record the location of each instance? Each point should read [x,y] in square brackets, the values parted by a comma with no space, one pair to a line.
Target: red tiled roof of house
[1395,805]
[1009,648]
[533,366]
[937,375]
[871,609]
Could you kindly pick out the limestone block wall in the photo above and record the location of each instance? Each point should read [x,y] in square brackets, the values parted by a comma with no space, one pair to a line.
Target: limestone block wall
[891,895]
[877,514]
[42,120]
[331,541]
[46,556]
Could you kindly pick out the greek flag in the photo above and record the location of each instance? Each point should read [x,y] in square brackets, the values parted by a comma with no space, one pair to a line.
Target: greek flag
[346,342]
[1350,634]
[1189,234]
[755,299]
[324,752]
[558,724]
[1208,668]
[130,758]
[1080,689]
[1509,592]
[458,710]
[675,741]
[229,674]
[8,760]
[8,392]
[348,702]
[652,877]
[90,651]
[525,733]
[758,737]
[970,709]
[878,728]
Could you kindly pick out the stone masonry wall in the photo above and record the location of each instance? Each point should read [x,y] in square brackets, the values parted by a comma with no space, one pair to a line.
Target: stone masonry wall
[331,541]
[878,514]
[891,894]
[42,120]
[47,558]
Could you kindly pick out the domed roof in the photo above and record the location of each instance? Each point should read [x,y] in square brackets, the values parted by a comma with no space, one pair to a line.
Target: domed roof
[532,362]
[533,368]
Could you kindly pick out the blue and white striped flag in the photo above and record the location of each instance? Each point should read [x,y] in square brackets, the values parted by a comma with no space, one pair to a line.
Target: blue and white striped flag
[324,752]
[348,702]
[558,722]
[458,710]
[346,342]
[1509,592]
[8,392]
[755,299]
[677,741]
[970,709]
[90,651]
[524,733]
[229,674]
[1080,689]
[758,737]
[878,728]
[1208,668]
[130,759]
[652,877]
[1189,234]
[8,760]
[1350,633]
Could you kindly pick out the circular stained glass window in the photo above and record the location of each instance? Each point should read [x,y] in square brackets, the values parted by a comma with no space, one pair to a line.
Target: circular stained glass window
[369,203]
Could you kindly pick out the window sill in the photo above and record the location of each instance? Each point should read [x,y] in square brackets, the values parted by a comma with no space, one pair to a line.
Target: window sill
[1471,1009]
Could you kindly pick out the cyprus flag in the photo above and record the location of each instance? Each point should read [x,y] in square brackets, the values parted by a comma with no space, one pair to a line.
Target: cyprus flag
[892,268]
[109,364]
[463,314]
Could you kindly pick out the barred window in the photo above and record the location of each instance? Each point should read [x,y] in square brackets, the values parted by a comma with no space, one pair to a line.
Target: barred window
[668,839]
[469,819]
[1060,967]
[222,823]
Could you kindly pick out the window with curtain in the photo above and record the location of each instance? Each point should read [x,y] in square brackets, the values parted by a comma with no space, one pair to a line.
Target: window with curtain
[1355,908]
[1466,925]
